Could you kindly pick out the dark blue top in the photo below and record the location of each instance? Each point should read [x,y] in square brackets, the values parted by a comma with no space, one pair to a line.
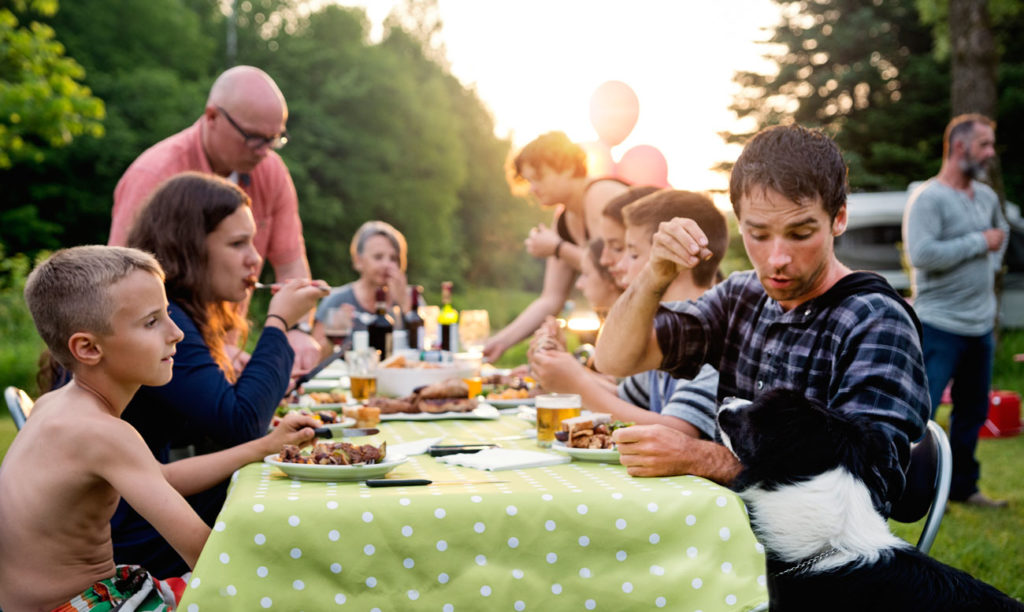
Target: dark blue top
[199,407]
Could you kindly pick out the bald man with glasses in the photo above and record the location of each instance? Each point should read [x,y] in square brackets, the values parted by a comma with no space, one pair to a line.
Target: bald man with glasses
[242,126]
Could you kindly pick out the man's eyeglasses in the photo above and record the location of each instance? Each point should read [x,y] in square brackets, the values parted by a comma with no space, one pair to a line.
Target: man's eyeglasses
[255,141]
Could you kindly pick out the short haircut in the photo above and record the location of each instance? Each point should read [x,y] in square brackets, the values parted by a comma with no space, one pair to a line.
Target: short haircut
[799,163]
[613,209]
[554,150]
[379,228]
[70,292]
[667,204]
[594,249]
[960,128]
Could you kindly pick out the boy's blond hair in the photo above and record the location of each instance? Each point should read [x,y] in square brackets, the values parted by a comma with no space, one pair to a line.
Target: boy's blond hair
[70,292]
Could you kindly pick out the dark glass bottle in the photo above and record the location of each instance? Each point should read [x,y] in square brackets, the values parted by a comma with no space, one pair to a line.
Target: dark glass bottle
[382,326]
[412,320]
[448,320]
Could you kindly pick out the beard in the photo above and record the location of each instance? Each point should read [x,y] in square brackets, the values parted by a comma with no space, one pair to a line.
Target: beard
[973,169]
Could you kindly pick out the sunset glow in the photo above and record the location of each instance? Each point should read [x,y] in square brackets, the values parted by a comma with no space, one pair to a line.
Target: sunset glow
[536,63]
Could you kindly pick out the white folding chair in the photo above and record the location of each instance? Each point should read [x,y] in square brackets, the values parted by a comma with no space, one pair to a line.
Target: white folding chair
[19,404]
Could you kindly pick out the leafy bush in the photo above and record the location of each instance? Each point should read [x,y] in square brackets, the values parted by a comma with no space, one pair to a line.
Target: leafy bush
[20,345]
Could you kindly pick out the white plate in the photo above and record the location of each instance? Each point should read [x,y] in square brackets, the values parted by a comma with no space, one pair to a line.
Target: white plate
[511,403]
[322,384]
[335,406]
[483,412]
[336,473]
[605,455]
[333,427]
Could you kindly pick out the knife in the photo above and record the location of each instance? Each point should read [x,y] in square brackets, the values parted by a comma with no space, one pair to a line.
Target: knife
[419,482]
[439,450]
[326,432]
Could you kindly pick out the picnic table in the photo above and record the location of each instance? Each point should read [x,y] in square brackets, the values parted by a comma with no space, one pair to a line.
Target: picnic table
[581,535]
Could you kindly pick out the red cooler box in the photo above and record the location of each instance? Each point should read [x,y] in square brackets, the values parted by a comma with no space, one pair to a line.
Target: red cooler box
[1003,415]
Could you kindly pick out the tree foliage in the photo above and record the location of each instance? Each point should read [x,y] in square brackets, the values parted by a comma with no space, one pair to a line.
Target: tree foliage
[380,130]
[43,103]
[876,76]
[865,73]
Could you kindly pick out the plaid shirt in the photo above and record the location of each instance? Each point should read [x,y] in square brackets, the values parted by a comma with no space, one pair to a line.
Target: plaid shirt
[858,353]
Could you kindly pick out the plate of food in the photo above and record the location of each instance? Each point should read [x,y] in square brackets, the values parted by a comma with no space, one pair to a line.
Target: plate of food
[318,400]
[448,399]
[506,391]
[354,461]
[329,418]
[589,437]
[603,455]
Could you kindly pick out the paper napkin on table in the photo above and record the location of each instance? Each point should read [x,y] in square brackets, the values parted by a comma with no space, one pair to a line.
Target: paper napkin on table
[416,447]
[496,459]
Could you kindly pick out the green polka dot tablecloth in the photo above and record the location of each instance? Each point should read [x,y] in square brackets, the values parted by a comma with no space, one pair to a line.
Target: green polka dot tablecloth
[578,536]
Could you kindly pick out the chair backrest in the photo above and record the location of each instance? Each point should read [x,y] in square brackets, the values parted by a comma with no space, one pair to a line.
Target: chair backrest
[19,404]
[927,490]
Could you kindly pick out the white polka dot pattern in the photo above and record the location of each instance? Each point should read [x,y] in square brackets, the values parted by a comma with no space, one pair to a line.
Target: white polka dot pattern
[540,541]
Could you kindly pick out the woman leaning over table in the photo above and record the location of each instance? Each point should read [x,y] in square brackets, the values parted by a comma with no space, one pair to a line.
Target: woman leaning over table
[380,256]
[555,169]
[200,228]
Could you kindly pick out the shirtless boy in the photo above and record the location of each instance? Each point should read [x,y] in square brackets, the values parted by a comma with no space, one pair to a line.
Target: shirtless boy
[102,312]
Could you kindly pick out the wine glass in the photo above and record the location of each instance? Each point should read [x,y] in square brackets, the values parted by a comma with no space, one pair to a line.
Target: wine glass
[338,325]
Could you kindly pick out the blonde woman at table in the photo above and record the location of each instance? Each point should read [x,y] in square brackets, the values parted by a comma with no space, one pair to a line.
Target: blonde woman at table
[652,397]
[380,256]
[556,171]
[200,228]
[103,314]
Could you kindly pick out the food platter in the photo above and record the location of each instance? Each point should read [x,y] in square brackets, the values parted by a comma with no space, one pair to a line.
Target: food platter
[603,455]
[510,403]
[483,412]
[336,473]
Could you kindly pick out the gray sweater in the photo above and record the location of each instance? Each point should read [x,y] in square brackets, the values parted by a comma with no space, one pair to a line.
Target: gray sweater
[952,270]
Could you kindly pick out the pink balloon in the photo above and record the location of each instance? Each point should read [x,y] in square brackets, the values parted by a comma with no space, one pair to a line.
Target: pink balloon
[599,159]
[614,108]
[643,165]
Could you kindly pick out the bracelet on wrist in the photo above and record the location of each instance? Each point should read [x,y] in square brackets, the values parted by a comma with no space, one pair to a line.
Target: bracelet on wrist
[558,249]
[279,318]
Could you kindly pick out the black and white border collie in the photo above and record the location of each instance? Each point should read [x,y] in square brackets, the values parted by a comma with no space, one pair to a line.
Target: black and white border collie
[804,480]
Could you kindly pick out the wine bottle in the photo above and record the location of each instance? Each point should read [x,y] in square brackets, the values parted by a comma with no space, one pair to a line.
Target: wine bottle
[413,321]
[448,320]
[382,325]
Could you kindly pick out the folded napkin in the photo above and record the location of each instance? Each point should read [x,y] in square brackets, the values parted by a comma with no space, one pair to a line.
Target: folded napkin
[416,447]
[496,459]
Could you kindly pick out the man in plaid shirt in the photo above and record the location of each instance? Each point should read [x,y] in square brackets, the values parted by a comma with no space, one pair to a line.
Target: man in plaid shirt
[800,320]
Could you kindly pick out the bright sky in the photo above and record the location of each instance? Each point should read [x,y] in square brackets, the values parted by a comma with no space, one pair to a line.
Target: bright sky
[535,63]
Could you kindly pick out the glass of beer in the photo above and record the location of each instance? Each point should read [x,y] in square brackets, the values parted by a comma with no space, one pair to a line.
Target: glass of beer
[552,409]
[362,373]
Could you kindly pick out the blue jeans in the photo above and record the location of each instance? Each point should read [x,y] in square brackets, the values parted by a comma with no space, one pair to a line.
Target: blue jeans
[967,360]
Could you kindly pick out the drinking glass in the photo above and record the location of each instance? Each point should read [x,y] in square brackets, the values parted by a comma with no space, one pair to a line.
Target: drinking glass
[362,373]
[474,329]
[552,409]
[430,332]
[338,325]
